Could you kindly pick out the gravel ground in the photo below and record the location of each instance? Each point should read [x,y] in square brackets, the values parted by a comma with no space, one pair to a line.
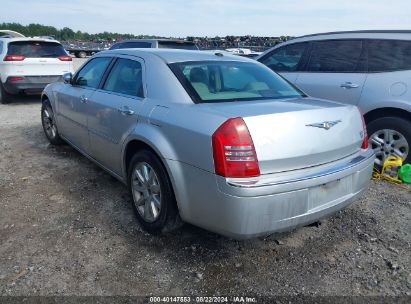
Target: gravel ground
[67,228]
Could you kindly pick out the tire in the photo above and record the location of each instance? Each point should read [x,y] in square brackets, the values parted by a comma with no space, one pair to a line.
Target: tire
[153,199]
[4,96]
[82,54]
[49,124]
[390,136]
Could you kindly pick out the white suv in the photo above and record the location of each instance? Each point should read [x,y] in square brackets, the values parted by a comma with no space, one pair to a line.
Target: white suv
[370,69]
[27,65]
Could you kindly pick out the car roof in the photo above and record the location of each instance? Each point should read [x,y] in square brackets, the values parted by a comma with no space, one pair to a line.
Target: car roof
[364,34]
[361,32]
[177,55]
[6,39]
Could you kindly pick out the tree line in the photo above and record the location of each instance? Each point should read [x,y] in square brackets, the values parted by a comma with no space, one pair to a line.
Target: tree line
[67,34]
[64,34]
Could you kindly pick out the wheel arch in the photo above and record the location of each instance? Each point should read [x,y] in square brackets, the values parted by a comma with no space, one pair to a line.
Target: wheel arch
[133,146]
[387,112]
[136,143]
[44,97]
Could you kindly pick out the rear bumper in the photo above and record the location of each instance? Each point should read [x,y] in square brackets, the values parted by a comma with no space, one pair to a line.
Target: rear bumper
[273,203]
[29,84]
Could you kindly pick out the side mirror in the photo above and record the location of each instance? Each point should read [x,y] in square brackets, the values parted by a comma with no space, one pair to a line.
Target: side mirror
[67,77]
[81,81]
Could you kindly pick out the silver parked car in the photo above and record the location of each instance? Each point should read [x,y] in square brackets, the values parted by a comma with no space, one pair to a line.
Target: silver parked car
[216,140]
[370,69]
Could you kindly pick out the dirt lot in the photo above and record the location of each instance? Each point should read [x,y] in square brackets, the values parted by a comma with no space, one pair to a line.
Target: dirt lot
[67,228]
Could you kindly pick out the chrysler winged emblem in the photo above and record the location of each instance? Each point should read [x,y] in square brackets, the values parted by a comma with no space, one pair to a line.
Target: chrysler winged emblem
[325,124]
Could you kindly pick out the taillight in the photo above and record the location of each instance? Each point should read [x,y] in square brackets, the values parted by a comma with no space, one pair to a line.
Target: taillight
[15,78]
[65,58]
[233,150]
[364,144]
[14,58]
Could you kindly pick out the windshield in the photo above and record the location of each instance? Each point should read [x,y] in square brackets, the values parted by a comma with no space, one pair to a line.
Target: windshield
[36,49]
[220,81]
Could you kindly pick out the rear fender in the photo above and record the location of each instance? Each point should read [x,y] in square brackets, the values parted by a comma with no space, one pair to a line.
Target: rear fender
[401,105]
[153,137]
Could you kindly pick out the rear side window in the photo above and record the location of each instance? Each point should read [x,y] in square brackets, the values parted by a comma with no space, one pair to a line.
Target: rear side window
[36,49]
[177,45]
[335,56]
[126,78]
[90,75]
[286,58]
[389,55]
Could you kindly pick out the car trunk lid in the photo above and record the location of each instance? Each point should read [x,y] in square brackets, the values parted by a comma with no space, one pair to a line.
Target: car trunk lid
[300,133]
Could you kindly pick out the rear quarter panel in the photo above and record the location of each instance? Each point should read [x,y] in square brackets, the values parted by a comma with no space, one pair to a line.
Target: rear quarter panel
[181,137]
[387,89]
[179,133]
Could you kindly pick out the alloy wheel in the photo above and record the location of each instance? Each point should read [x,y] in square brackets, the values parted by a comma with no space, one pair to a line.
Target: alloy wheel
[49,123]
[388,142]
[146,191]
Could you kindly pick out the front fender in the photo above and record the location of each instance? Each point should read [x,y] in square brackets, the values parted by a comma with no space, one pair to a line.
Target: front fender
[46,93]
[50,91]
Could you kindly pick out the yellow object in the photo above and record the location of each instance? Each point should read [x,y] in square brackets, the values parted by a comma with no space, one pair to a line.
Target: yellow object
[389,171]
[390,168]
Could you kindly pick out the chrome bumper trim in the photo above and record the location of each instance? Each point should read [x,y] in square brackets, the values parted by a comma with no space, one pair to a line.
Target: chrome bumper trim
[267,180]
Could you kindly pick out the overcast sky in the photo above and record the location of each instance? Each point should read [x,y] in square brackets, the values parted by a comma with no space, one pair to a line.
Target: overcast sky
[211,17]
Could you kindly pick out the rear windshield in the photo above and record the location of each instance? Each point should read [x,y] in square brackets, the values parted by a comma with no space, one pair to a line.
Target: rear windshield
[177,45]
[36,49]
[221,81]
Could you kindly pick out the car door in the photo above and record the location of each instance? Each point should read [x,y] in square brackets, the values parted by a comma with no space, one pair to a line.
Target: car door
[335,70]
[73,102]
[286,60]
[114,110]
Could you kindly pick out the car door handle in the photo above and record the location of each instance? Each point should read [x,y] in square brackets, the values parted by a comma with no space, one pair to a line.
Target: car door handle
[349,85]
[125,111]
[83,99]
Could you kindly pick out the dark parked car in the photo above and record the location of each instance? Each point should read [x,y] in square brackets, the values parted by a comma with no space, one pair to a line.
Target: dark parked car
[155,43]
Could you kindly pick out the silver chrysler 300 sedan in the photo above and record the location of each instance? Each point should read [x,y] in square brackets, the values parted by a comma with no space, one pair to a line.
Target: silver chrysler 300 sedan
[211,139]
